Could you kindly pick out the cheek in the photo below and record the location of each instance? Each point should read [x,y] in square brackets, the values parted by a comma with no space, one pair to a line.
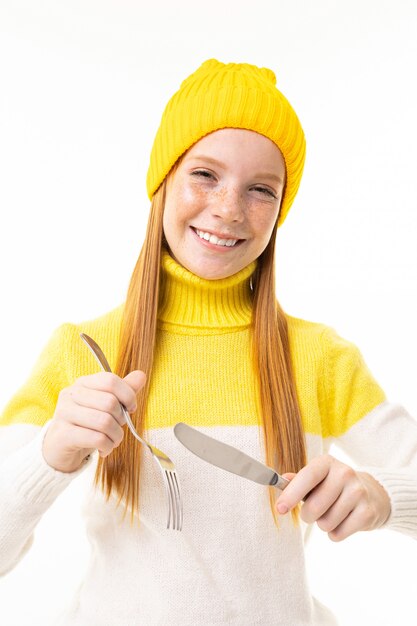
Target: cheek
[263,221]
[167,223]
[186,200]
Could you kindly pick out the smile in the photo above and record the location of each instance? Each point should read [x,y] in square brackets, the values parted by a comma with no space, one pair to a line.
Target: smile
[217,241]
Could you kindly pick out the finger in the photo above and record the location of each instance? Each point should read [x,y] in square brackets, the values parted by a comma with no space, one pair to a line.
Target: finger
[303,483]
[99,400]
[135,379]
[321,500]
[289,475]
[107,381]
[86,438]
[347,502]
[351,524]
[336,515]
[99,423]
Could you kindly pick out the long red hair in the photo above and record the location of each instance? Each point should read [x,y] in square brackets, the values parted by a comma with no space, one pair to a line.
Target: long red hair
[283,433]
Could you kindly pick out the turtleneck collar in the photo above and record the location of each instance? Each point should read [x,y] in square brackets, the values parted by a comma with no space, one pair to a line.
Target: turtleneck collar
[188,300]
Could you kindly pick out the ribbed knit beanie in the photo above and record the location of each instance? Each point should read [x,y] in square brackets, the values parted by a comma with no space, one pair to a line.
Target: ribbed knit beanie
[231,95]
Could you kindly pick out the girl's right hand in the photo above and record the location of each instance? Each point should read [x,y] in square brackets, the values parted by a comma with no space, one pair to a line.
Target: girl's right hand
[88,417]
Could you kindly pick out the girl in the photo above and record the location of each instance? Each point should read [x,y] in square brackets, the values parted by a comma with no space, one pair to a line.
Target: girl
[201,339]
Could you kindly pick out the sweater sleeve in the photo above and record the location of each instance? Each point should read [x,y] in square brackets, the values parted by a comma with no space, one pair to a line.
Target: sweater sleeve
[28,485]
[379,436]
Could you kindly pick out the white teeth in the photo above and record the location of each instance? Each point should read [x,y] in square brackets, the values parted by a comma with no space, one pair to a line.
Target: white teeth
[213,239]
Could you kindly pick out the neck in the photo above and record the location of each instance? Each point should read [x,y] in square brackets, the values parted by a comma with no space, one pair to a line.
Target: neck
[189,300]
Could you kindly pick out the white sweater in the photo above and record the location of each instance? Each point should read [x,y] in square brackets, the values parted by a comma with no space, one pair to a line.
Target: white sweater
[230,564]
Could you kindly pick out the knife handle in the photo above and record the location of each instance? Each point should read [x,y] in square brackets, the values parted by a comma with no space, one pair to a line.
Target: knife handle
[281,482]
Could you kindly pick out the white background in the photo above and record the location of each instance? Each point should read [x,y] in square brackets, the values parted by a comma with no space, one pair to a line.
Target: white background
[82,88]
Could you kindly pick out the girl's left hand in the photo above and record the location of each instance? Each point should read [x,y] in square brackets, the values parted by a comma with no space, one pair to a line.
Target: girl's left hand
[340,500]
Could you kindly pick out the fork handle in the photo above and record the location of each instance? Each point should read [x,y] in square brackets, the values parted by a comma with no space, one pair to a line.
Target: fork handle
[104,364]
[130,424]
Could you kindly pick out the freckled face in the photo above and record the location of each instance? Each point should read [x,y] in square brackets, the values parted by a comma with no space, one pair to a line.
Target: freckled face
[222,202]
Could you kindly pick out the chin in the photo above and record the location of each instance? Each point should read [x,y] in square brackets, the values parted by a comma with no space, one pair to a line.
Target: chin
[204,272]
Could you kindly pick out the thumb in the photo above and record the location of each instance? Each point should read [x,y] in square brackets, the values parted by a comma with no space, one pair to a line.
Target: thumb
[136,380]
[288,475]
[280,507]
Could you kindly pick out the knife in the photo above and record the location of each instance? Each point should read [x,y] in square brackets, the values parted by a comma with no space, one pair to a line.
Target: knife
[227,457]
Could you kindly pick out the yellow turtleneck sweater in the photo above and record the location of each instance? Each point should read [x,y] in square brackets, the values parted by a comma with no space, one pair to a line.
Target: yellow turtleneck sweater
[203,363]
[213,572]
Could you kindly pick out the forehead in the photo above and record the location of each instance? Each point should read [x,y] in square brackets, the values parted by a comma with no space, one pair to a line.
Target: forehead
[236,143]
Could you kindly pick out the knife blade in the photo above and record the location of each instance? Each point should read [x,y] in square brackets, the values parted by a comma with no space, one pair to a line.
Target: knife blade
[227,457]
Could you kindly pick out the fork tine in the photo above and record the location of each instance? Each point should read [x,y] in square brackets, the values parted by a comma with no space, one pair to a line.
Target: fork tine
[174,504]
[178,500]
[173,499]
[170,499]
[168,495]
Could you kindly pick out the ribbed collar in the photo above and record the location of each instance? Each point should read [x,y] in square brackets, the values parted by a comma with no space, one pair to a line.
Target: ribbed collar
[188,300]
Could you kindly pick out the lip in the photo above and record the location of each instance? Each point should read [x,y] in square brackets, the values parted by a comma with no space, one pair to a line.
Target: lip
[213,246]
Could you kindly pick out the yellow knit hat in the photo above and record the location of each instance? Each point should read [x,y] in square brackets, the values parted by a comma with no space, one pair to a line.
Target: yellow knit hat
[232,95]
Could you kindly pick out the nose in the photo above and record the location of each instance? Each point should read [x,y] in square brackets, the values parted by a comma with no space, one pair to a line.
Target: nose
[228,205]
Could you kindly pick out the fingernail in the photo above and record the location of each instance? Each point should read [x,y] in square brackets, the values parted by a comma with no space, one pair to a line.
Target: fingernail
[282,508]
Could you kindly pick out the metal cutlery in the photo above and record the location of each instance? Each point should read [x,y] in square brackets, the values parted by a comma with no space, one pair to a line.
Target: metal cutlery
[227,457]
[169,474]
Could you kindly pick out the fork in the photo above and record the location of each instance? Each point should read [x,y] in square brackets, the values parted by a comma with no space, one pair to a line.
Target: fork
[169,474]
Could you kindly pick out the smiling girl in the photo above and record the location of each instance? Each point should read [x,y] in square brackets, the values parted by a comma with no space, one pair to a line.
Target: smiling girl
[220,211]
[202,339]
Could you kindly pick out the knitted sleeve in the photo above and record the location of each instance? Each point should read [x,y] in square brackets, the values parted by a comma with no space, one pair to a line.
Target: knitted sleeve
[350,390]
[28,485]
[379,436]
[35,401]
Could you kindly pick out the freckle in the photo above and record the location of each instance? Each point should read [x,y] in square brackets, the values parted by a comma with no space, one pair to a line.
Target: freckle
[221,195]
[199,193]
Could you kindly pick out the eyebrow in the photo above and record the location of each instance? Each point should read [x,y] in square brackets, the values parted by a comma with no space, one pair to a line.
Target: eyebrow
[203,157]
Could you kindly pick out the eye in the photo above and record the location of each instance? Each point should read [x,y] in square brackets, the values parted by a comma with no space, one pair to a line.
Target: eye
[203,173]
[266,191]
